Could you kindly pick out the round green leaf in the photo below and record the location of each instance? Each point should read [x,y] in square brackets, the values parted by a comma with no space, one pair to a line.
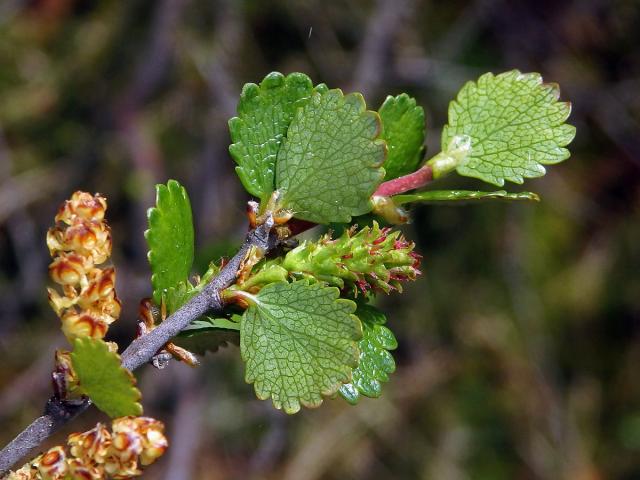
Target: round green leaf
[264,114]
[403,128]
[330,163]
[299,342]
[376,363]
[514,123]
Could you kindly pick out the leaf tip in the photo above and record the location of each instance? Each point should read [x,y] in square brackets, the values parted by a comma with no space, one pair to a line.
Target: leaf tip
[249,91]
[272,80]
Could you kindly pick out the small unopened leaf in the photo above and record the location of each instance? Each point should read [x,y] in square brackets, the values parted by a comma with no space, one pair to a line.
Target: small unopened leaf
[515,125]
[330,162]
[264,114]
[204,334]
[463,196]
[177,296]
[376,363]
[182,292]
[170,238]
[299,342]
[109,385]
[403,128]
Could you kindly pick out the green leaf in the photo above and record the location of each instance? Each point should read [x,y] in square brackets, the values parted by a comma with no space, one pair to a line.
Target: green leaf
[376,363]
[170,238]
[299,342]
[403,128]
[208,334]
[329,164]
[206,323]
[180,294]
[515,125]
[463,196]
[207,341]
[204,334]
[264,115]
[109,385]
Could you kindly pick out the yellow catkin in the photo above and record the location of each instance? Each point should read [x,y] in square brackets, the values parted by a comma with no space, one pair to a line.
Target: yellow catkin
[86,301]
[132,443]
[79,244]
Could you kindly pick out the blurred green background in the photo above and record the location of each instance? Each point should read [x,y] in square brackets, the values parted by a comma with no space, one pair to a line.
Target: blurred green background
[519,351]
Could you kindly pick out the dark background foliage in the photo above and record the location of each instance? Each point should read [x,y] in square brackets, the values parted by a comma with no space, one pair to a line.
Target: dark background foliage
[520,344]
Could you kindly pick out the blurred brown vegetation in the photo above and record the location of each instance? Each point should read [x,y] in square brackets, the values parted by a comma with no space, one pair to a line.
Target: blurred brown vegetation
[519,346]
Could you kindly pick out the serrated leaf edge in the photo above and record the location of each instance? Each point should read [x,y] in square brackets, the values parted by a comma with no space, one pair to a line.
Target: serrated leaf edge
[118,361]
[411,103]
[249,91]
[355,98]
[171,187]
[519,76]
[349,391]
[338,384]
